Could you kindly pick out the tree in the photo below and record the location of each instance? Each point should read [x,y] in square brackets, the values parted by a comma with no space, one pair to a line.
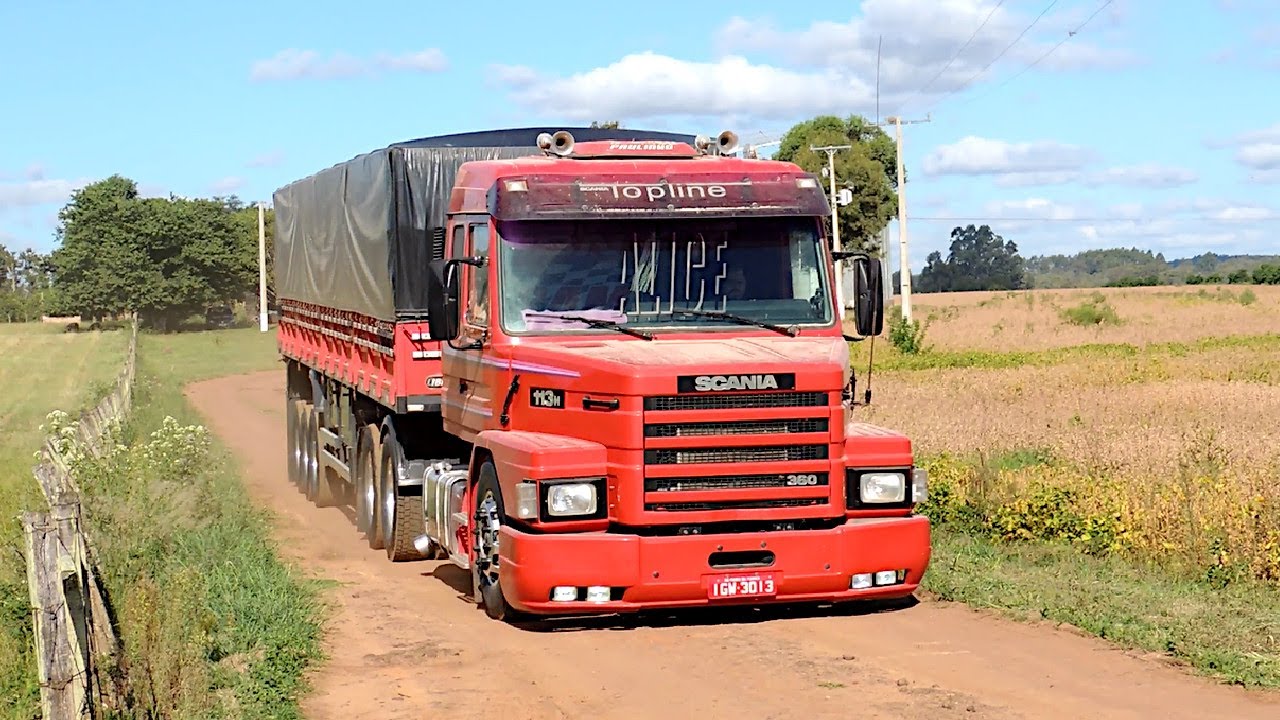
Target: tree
[163,258]
[979,260]
[869,169]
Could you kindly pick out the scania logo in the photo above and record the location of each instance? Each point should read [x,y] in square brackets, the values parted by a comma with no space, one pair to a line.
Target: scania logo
[710,383]
[735,381]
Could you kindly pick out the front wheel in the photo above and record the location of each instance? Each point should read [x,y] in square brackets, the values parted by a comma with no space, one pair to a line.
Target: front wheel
[487,521]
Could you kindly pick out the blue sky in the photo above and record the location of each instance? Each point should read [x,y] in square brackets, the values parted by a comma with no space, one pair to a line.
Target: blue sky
[1152,126]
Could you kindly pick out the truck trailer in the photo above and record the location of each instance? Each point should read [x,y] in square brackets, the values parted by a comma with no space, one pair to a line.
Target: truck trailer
[602,370]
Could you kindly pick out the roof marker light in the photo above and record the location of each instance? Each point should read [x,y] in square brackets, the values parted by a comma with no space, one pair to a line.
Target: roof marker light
[517,185]
[806,182]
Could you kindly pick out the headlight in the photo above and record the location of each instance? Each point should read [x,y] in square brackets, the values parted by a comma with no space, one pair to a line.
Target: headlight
[883,487]
[568,499]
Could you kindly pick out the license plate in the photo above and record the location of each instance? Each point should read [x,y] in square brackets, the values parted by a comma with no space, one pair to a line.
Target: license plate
[742,586]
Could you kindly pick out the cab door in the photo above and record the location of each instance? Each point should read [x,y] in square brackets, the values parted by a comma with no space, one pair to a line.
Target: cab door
[470,408]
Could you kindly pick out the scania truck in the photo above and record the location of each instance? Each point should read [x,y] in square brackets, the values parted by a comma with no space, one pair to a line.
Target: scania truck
[602,370]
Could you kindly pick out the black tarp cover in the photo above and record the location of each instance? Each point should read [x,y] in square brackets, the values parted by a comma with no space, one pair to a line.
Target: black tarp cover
[357,236]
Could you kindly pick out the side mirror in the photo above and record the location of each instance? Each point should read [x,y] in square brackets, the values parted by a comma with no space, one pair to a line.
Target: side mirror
[442,299]
[442,296]
[868,293]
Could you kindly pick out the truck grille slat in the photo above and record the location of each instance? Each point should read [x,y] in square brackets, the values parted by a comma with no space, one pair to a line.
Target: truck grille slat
[732,482]
[735,505]
[785,453]
[737,401]
[743,427]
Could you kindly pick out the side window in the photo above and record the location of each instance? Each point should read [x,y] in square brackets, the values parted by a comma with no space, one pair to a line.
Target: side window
[478,287]
[457,248]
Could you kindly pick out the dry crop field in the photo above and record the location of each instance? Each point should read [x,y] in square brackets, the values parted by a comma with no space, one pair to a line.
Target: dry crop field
[1152,433]
[1042,319]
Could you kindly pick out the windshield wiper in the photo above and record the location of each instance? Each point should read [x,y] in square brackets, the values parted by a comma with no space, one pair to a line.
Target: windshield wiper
[596,323]
[790,331]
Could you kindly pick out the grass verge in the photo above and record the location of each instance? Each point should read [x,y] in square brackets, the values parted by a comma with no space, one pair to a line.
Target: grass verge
[214,624]
[889,359]
[1230,633]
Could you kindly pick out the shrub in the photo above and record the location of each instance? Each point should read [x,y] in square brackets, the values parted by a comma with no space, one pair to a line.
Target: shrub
[906,335]
[1094,311]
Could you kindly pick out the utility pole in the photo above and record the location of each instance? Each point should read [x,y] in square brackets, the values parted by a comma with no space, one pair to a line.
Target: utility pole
[904,267]
[830,150]
[262,267]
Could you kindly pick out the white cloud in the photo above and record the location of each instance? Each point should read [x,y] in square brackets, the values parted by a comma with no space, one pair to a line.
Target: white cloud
[37,192]
[762,72]
[1257,151]
[984,156]
[1244,213]
[226,185]
[648,85]
[1260,156]
[1045,162]
[1036,208]
[1150,175]
[294,64]
[920,37]
[267,159]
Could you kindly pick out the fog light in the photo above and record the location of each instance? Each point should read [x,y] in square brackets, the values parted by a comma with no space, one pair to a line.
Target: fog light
[886,577]
[598,594]
[564,593]
[526,500]
[861,581]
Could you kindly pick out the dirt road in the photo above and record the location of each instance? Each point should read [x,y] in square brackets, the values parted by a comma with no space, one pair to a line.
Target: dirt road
[407,643]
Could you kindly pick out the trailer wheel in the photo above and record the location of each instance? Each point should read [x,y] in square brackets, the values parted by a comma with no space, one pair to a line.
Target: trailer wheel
[489,514]
[293,458]
[368,458]
[401,519]
[309,438]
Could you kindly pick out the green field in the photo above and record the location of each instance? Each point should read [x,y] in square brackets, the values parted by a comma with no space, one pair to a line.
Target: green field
[41,369]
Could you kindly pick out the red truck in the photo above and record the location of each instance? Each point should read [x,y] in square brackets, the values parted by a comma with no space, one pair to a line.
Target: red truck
[603,370]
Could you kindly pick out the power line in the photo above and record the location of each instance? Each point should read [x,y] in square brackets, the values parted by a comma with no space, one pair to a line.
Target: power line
[1007,48]
[1003,218]
[955,57]
[1050,51]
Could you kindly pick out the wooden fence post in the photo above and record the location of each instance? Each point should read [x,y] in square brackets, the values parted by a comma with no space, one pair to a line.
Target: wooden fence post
[51,572]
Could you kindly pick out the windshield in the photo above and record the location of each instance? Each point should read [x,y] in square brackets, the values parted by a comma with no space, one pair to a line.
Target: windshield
[645,272]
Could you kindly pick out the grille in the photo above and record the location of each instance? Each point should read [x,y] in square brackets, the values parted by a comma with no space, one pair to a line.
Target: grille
[784,453]
[738,401]
[745,427]
[735,505]
[729,482]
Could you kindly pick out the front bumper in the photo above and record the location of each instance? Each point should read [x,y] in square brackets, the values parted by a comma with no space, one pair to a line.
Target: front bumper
[674,571]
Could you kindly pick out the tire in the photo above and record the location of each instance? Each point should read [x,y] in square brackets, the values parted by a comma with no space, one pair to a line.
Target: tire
[291,439]
[401,515]
[485,583]
[299,461]
[365,485]
[310,440]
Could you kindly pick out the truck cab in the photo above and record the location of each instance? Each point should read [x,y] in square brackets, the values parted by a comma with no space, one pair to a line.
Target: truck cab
[641,345]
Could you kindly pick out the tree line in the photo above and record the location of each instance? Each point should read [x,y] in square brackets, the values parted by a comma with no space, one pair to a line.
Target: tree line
[118,252]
